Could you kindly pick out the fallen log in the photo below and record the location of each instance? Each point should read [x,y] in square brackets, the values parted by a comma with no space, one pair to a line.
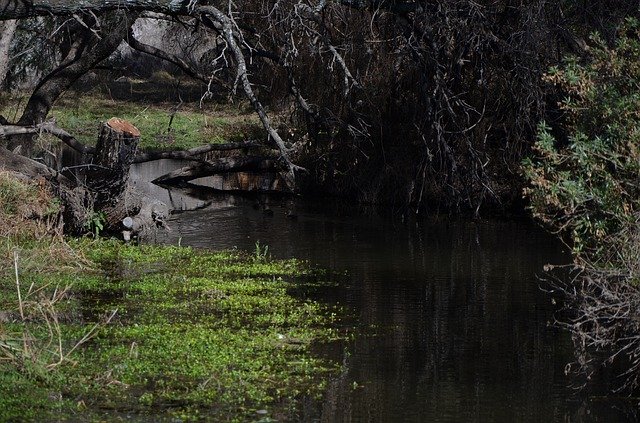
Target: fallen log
[152,214]
[223,165]
[23,165]
[192,152]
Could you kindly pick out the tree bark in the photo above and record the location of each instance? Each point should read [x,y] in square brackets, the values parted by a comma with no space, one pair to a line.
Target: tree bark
[109,174]
[7,31]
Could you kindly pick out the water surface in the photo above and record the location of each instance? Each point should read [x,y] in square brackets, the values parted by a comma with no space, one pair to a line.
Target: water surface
[452,325]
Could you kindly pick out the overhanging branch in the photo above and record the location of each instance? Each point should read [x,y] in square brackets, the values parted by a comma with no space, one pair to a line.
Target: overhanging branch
[21,9]
[171,58]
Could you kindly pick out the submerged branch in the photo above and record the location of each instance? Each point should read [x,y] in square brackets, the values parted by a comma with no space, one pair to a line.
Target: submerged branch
[224,165]
[192,152]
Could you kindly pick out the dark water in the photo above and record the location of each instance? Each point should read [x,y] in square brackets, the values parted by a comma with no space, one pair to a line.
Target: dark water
[453,325]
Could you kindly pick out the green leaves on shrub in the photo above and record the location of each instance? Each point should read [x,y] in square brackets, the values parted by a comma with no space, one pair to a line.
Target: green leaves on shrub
[584,173]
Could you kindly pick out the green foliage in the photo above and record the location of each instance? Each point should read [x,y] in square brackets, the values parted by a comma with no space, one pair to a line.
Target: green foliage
[210,336]
[161,126]
[95,223]
[587,186]
[261,252]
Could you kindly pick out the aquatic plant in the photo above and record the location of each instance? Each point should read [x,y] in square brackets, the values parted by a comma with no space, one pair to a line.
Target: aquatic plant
[261,252]
[198,335]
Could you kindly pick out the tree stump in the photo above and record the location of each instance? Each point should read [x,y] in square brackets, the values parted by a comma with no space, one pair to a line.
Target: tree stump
[108,178]
[116,149]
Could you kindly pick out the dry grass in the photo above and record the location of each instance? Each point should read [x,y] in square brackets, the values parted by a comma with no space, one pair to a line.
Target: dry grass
[27,208]
[30,222]
[32,250]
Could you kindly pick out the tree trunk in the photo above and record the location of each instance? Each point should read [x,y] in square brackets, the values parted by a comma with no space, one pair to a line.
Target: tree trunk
[61,79]
[7,31]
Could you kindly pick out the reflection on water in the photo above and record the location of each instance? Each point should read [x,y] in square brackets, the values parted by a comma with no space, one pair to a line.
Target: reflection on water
[461,326]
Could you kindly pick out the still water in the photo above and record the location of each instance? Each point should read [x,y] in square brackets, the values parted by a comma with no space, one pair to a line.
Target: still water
[452,323]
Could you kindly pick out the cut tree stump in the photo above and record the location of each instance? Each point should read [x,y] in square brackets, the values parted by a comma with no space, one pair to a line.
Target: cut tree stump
[117,147]
[108,178]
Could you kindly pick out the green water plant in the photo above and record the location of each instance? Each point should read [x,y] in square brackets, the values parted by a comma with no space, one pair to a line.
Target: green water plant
[210,336]
[95,223]
[261,252]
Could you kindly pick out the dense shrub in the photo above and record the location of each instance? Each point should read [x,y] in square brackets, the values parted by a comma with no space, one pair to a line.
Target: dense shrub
[584,183]
[585,173]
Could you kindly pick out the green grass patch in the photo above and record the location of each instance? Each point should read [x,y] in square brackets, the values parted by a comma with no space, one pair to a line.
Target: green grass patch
[198,336]
[80,114]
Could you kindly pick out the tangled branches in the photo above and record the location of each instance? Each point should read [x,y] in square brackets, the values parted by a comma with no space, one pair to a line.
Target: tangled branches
[603,311]
[605,324]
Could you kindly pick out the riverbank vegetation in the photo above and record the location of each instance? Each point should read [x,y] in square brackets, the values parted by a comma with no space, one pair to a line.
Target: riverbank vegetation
[91,327]
[585,186]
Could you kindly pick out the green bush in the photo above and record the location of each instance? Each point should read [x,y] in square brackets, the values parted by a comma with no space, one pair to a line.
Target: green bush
[584,173]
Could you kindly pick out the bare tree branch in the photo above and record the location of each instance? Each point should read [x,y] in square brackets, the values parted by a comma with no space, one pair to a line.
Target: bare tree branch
[230,38]
[50,128]
[179,62]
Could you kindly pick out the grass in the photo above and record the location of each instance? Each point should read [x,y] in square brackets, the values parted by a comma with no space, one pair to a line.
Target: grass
[191,126]
[198,335]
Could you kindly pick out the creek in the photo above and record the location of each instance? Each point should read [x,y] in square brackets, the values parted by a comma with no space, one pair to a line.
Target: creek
[451,321]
